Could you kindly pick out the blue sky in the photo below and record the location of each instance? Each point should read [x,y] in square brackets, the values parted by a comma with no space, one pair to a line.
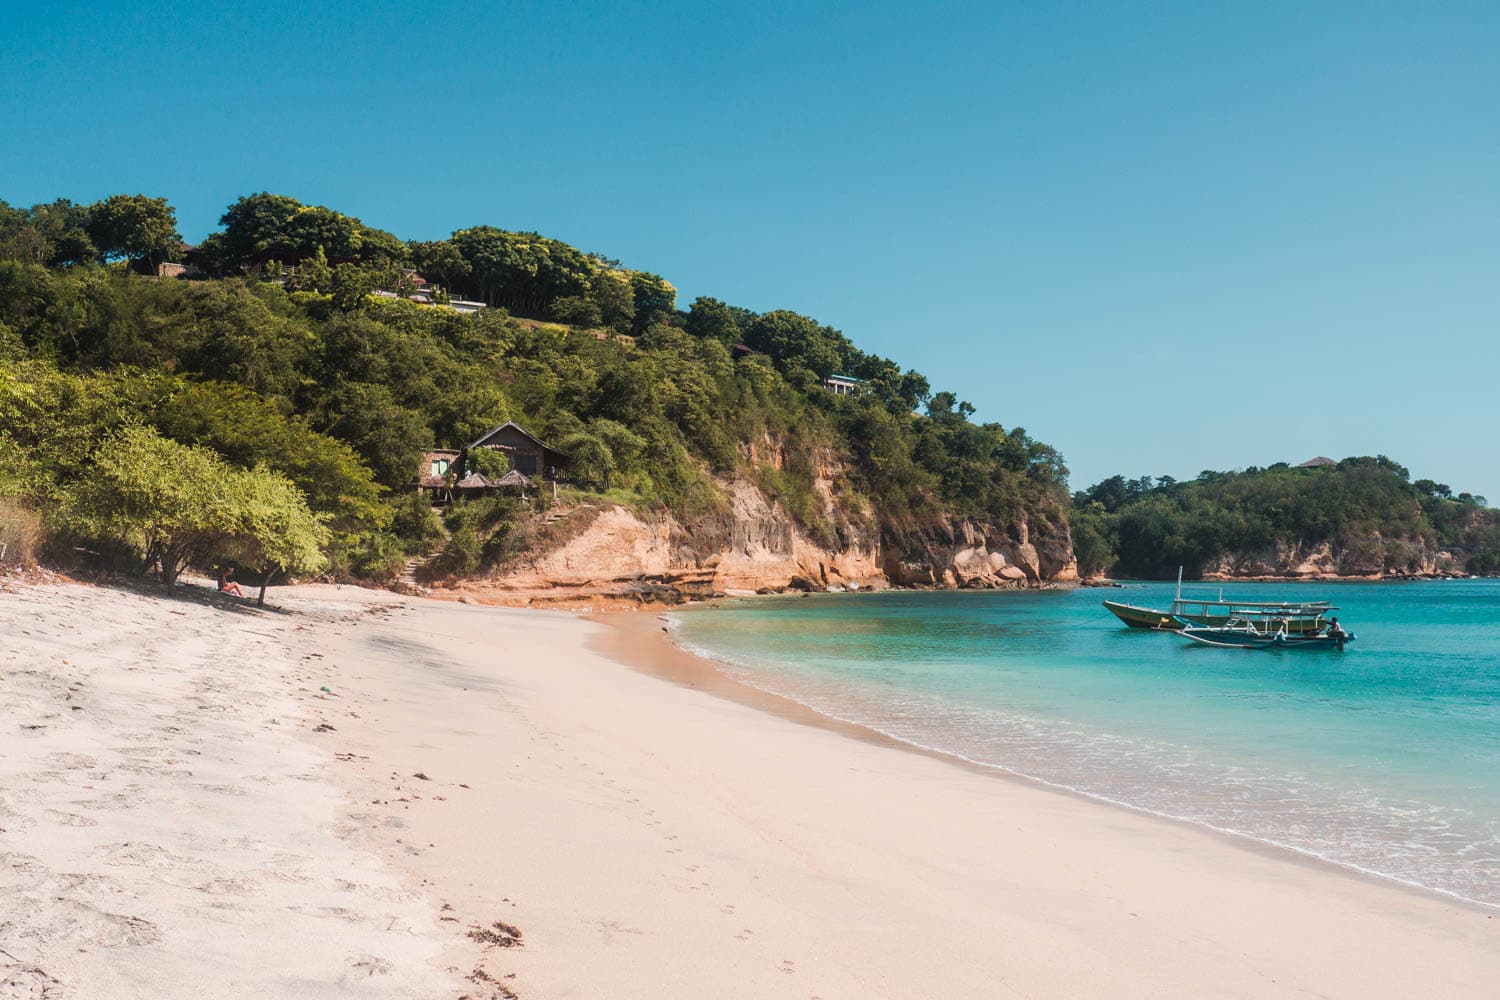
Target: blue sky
[1163,237]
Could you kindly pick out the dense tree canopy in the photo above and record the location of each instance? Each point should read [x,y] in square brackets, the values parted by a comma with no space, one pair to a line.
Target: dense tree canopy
[1364,507]
[121,227]
[263,227]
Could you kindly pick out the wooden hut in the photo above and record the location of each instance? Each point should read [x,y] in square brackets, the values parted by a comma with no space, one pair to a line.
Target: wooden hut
[527,454]
[446,474]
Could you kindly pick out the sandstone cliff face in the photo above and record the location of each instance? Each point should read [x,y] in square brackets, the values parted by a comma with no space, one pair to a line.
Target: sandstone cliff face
[966,553]
[1372,557]
[756,546]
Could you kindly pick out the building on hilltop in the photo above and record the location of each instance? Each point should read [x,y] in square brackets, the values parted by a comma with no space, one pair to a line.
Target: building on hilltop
[1317,463]
[412,287]
[843,385]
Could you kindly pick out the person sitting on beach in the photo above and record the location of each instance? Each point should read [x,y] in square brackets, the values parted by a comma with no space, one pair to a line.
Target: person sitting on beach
[227,584]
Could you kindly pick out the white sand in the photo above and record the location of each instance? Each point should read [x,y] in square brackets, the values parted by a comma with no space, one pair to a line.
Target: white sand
[165,833]
[648,839]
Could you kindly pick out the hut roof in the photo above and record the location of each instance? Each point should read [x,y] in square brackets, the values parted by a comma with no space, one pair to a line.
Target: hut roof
[479,441]
[512,478]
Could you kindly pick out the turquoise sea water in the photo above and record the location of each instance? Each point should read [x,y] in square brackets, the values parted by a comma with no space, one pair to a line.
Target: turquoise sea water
[1385,758]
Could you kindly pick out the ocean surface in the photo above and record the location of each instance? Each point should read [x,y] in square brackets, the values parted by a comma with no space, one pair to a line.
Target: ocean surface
[1384,758]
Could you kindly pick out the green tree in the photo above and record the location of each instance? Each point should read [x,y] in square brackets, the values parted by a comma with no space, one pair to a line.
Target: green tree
[576,310]
[64,228]
[623,447]
[314,274]
[440,262]
[351,283]
[593,461]
[135,227]
[612,293]
[491,463]
[712,319]
[276,531]
[169,502]
[388,436]
[263,227]
[653,296]
[523,272]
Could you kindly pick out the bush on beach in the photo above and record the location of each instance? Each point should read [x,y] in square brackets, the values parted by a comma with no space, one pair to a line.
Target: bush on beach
[22,534]
[173,505]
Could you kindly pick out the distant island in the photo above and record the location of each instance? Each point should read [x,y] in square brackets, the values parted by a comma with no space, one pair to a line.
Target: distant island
[500,413]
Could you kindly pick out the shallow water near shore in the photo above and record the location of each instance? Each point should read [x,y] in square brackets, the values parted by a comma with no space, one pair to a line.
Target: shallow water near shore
[1385,758]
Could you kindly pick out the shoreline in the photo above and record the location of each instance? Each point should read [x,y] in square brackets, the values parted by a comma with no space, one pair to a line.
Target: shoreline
[624,599]
[642,646]
[545,818]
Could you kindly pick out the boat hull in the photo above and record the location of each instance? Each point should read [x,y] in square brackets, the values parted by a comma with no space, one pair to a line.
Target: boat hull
[1241,639]
[1301,619]
[1137,617]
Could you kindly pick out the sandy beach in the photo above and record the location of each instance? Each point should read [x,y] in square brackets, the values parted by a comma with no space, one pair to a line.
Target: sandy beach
[360,795]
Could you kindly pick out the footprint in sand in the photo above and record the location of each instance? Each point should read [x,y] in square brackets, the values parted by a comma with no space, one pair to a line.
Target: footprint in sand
[119,929]
[108,802]
[234,790]
[70,819]
[363,966]
[228,887]
[788,966]
[73,761]
[142,855]
[81,922]
[27,981]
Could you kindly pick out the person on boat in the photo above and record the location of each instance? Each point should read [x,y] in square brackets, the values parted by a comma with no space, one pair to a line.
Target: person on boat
[1336,633]
[227,584]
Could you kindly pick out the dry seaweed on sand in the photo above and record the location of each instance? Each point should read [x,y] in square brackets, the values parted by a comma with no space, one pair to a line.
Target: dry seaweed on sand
[498,933]
[499,990]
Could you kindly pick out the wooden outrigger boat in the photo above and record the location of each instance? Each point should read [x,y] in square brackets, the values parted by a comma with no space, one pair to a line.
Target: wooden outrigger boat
[1138,617]
[1266,632]
[1301,616]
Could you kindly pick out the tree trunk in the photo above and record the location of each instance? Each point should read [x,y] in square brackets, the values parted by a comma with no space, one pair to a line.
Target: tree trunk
[265,581]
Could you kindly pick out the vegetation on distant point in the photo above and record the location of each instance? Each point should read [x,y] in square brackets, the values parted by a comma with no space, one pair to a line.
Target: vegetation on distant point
[279,362]
[1366,510]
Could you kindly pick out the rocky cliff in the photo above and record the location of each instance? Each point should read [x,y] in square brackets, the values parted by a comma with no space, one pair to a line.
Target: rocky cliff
[1372,557]
[755,545]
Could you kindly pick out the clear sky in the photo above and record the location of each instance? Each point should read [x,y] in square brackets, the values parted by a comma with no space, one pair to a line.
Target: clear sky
[1162,237]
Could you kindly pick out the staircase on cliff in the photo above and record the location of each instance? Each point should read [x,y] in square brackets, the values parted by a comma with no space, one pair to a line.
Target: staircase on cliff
[407,582]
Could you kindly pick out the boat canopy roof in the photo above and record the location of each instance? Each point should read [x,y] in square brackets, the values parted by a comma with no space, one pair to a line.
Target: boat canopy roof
[1254,605]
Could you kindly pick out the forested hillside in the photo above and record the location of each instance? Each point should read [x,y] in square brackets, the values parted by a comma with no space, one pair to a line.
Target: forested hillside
[268,394]
[1358,517]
